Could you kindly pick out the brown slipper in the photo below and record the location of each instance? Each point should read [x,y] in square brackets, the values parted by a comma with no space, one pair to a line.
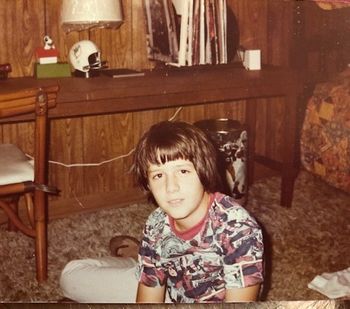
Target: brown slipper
[124,246]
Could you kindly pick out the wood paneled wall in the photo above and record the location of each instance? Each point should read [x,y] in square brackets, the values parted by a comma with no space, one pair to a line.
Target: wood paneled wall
[264,24]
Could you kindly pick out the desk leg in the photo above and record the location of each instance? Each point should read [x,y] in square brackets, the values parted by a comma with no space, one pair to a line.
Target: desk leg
[289,170]
[251,123]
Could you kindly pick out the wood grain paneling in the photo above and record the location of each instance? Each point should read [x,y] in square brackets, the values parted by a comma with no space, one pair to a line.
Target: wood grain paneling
[66,146]
[263,24]
[22,26]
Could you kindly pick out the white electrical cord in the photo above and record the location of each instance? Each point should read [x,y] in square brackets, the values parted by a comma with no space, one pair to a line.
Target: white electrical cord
[93,164]
[106,161]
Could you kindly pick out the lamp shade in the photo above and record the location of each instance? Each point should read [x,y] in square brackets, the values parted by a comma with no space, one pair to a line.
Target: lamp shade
[84,14]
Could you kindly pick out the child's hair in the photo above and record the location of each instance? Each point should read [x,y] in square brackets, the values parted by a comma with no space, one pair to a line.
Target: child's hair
[169,141]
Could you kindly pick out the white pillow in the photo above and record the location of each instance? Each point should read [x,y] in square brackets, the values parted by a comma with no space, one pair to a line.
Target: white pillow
[15,166]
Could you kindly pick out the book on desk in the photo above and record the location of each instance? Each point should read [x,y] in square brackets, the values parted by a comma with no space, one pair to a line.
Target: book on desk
[121,73]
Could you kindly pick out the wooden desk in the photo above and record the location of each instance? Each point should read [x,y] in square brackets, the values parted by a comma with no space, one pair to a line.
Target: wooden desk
[180,87]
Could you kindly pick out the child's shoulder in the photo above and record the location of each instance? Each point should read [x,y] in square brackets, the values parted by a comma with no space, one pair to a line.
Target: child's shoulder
[227,206]
[157,224]
[225,201]
[157,217]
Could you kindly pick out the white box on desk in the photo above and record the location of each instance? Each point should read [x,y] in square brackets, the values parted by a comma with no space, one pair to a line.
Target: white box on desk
[252,59]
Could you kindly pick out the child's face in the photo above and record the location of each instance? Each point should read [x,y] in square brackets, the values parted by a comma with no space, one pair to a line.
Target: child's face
[177,189]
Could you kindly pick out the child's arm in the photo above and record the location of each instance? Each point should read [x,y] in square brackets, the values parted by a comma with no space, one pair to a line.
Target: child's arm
[147,294]
[249,293]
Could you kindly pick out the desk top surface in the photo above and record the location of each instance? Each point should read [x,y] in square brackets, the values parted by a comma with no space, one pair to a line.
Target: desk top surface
[159,88]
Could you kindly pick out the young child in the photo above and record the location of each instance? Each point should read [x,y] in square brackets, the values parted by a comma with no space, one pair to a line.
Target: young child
[198,245]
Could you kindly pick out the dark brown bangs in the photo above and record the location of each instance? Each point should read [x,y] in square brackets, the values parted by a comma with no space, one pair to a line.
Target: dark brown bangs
[170,154]
[166,152]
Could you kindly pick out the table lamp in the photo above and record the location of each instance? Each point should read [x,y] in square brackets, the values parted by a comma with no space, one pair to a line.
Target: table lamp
[77,15]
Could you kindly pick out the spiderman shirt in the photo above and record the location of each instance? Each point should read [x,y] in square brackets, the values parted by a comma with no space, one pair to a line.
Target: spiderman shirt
[223,251]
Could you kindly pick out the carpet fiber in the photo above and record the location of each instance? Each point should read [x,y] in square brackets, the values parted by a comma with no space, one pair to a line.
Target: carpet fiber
[301,242]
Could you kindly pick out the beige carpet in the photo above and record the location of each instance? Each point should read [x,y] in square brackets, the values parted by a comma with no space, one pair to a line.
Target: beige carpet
[310,238]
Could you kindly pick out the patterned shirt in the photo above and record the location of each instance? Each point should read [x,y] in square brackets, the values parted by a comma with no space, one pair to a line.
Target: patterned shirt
[225,252]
